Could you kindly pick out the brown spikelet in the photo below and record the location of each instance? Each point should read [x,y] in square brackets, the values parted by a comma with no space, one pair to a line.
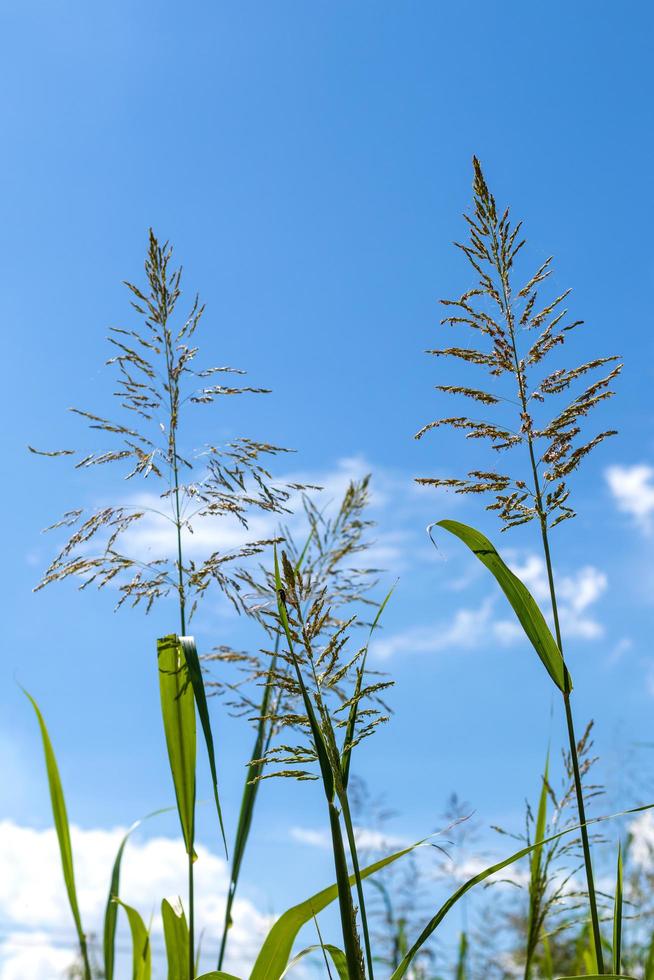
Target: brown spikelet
[503,318]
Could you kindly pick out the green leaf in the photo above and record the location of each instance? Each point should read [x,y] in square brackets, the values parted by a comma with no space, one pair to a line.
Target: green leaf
[217,975]
[600,976]
[617,915]
[62,828]
[523,603]
[141,951]
[649,966]
[248,799]
[463,956]
[111,911]
[535,883]
[195,676]
[178,713]
[274,954]
[176,937]
[329,775]
[337,955]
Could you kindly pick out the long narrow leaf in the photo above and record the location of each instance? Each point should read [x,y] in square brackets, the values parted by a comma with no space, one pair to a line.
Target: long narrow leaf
[337,956]
[346,906]
[178,713]
[274,954]
[141,951]
[535,882]
[649,966]
[217,975]
[617,915]
[524,605]
[62,828]
[248,800]
[195,676]
[176,937]
[463,957]
[111,910]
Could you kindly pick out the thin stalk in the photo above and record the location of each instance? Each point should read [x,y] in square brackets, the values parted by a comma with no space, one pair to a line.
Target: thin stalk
[85,958]
[182,616]
[191,919]
[349,829]
[248,800]
[344,899]
[597,937]
[585,843]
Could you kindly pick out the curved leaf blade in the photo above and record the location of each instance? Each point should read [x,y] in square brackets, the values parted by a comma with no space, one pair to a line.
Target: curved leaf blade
[60,816]
[276,950]
[111,910]
[523,603]
[195,677]
[141,951]
[337,955]
[178,713]
[176,937]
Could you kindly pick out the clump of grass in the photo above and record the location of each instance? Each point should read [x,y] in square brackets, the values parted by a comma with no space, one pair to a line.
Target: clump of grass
[516,332]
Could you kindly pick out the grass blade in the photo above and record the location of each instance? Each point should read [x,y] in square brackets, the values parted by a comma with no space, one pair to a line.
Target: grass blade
[276,950]
[248,800]
[346,906]
[111,910]
[218,975]
[463,957]
[617,915]
[649,966]
[141,951]
[195,676]
[62,828]
[178,713]
[523,603]
[535,880]
[176,937]
[337,956]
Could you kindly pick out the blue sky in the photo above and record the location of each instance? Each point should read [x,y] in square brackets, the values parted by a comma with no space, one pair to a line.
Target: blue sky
[310,162]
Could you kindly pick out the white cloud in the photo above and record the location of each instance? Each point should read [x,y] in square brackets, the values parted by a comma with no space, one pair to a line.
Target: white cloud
[632,488]
[366,839]
[641,847]
[471,628]
[466,631]
[39,942]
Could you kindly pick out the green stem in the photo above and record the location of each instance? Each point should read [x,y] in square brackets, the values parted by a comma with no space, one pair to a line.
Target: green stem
[579,793]
[354,966]
[349,829]
[508,313]
[85,958]
[191,919]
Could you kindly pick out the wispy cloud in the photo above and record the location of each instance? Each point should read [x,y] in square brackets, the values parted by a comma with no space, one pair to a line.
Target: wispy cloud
[366,838]
[632,488]
[470,628]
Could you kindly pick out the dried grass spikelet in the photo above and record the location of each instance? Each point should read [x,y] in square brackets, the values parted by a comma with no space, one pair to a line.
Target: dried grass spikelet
[157,382]
[321,660]
[329,569]
[504,319]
